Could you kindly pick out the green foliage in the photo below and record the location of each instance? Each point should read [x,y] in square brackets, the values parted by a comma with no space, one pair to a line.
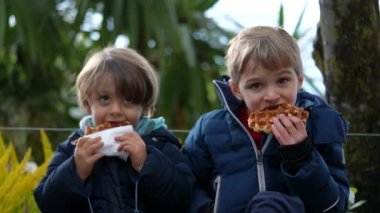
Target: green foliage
[18,180]
[184,46]
[352,205]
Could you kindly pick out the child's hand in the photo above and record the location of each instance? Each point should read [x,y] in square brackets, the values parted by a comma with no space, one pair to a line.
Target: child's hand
[288,130]
[85,155]
[132,143]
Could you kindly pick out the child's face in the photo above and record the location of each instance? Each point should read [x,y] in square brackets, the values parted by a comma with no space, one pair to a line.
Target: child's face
[259,87]
[107,105]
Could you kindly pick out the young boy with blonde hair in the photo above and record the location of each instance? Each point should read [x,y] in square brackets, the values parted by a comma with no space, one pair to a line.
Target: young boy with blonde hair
[297,167]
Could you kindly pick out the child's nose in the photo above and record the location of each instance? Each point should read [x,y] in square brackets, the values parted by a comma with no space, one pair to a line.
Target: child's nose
[116,108]
[271,95]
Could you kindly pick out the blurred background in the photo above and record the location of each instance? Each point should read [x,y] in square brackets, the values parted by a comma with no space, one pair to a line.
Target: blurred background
[42,54]
[300,18]
[44,43]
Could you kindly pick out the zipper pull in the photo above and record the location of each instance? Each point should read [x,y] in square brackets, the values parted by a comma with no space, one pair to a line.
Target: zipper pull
[259,156]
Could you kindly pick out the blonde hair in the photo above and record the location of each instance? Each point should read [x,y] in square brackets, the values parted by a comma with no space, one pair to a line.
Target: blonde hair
[271,47]
[134,77]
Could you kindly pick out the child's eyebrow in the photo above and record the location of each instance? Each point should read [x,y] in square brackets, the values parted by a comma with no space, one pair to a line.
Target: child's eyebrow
[104,91]
[253,79]
[285,71]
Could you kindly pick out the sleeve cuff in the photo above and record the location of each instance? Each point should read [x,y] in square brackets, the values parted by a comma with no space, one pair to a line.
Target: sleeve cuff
[295,156]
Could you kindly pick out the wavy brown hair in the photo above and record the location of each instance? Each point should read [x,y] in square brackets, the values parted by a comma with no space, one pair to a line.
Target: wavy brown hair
[134,77]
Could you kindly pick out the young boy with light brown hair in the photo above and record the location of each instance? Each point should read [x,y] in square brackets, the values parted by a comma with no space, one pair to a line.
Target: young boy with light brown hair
[297,167]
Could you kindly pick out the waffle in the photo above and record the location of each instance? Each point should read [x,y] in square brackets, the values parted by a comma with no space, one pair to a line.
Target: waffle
[261,121]
[101,127]
[90,130]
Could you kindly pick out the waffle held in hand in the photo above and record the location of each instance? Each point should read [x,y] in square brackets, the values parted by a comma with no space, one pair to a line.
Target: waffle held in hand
[261,121]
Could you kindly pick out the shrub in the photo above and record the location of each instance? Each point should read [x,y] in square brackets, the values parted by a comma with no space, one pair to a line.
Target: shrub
[19,178]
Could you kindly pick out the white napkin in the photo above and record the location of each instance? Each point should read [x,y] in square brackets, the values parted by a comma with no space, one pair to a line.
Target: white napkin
[110,145]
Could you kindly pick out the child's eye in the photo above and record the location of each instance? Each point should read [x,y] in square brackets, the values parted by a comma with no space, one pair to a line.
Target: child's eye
[128,101]
[104,98]
[283,81]
[255,86]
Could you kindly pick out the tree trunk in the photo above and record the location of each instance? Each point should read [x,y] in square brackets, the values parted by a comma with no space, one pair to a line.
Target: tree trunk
[347,50]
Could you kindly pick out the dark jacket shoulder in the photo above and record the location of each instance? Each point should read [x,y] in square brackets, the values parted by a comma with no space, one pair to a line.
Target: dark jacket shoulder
[162,135]
[325,124]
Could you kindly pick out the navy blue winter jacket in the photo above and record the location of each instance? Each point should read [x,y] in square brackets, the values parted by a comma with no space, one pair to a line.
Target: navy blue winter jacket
[164,184]
[230,170]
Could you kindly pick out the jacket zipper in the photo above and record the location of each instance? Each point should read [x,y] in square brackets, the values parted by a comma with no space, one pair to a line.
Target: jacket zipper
[89,204]
[260,171]
[217,183]
[259,153]
[260,164]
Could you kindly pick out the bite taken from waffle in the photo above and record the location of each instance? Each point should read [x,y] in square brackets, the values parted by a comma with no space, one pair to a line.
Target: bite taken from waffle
[104,126]
[261,121]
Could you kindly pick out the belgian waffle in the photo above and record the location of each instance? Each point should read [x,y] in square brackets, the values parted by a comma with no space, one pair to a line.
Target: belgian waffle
[261,121]
[90,130]
[101,127]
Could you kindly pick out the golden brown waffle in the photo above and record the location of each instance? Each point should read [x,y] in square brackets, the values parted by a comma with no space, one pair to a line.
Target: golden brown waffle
[261,121]
[90,130]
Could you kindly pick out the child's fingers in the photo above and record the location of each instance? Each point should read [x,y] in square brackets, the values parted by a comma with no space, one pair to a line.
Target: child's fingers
[132,147]
[126,135]
[276,132]
[288,130]
[80,141]
[125,146]
[94,147]
[288,124]
[297,122]
[86,141]
[95,157]
[137,153]
[279,126]
[87,147]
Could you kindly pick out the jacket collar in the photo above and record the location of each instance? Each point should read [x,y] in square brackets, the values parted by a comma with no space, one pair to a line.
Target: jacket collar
[227,98]
[307,100]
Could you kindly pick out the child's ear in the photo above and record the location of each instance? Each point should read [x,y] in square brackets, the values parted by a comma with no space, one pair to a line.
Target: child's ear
[235,90]
[300,81]
[87,107]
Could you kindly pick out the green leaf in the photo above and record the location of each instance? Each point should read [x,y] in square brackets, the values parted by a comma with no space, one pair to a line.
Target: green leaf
[3,22]
[357,204]
[297,33]
[281,16]
[187,45]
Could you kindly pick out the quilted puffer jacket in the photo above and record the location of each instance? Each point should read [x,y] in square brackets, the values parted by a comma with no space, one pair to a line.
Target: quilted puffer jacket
[164,184]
